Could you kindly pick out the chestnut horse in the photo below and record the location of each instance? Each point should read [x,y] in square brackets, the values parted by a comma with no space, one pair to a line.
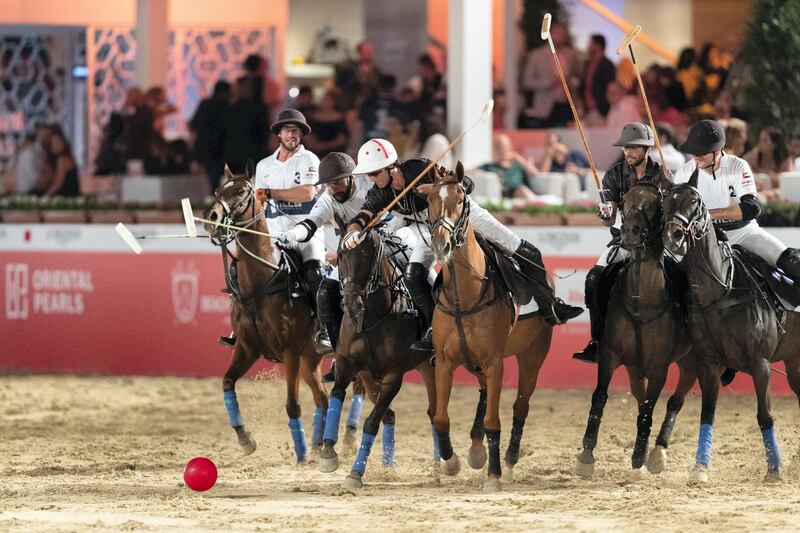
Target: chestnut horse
[474,324]
[270,315]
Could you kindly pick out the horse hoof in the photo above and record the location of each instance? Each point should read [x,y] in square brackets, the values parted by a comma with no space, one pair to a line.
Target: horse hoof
[657,462]
[773,476]
[635,474]
[452,466]
[584,467]
[329,464]
[698,475]
[477,457]
[508,473]
[352,481]
[349,439]
[492,485]
[249,445]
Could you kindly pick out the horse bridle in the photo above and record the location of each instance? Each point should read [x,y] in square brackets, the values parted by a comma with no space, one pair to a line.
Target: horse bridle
[457,230]
[652,228]
[697,224]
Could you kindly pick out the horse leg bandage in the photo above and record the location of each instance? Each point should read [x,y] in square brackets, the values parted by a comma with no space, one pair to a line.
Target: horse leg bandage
[771,448]
[388,445]
[332,420]
[319,426]
[232,406]
[436,454]
[354,415]
[299,437]
[360,466]
[704,440]
[493,438]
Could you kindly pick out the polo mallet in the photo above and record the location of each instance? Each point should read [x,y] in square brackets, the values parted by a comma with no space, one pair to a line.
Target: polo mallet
[190,219]
[130,239]
[485,113]
[627,42]
[546,21]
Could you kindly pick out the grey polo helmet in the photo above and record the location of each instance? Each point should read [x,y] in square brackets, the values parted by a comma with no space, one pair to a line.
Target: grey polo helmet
[635,134]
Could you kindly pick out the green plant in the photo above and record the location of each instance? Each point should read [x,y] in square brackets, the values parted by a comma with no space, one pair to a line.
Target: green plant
[771,52]
[533,12]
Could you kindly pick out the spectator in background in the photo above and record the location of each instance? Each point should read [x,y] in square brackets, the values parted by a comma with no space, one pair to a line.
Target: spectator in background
[304,101]
[208,128]
[558,158]
[246,128]
[794,151]
[357,80]
[427,140]
[264,89]
[139,125]
[514,171]
[397,130]
[689,75]
[111,157]
[673,157]
[499,109]
[771,155]
[156,99]
[546,101]
[599,72]
[623,108]
[428,86]
[65,180]
[375,110]
[736,132]
[32,166]
[329,131]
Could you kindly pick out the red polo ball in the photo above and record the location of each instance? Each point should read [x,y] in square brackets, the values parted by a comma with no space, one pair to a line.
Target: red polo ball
[200,474]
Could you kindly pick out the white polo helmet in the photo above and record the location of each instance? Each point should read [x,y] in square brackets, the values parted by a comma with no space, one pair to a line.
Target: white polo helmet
[375,154]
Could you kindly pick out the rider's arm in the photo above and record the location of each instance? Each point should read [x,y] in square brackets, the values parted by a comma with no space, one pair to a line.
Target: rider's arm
[748,209]
[299,194]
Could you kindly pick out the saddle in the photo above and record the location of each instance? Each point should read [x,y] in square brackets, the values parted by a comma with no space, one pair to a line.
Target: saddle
[782,293]
[288,277]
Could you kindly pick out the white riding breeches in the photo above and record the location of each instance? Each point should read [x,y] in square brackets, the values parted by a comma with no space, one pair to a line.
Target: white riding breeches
[484,223]
[758,241]
[613,254]
[314,249]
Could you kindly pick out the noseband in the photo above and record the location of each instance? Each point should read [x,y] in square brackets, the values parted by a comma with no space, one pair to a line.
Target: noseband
[458,230]
[696,225]
[652,227]
[234,213]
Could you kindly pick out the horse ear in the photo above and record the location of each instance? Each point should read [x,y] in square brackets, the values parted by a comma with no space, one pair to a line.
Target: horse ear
[228,173]
[459,172]
[249,169]
[693,179]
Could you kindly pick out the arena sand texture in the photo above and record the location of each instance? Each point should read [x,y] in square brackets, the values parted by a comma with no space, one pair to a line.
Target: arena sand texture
[107,453]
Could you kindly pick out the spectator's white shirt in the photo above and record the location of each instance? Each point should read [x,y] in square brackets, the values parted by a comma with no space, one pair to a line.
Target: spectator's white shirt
[675,159]
[624,112]
[733,180]
[30,165]
[328,209]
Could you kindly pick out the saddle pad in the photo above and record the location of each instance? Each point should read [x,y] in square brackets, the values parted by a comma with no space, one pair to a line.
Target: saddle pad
[509,271]
[782,290]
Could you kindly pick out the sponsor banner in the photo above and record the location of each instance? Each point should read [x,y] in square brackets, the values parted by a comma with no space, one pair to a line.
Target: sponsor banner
[76,300]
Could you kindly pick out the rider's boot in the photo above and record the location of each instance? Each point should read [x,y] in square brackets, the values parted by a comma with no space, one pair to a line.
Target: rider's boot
[554,310]
[416,280]
[589,354]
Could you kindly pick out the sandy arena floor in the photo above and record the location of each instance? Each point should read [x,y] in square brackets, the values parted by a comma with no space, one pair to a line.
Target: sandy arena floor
[107,454]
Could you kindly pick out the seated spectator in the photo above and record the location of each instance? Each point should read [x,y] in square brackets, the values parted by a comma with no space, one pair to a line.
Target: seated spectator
[329,132]
[111,157]
[427,140]
[558,158]
[674,158]
[32,168]
[735,136]
[513,169]
[397,130]
[65,180]
[624,107]
[771,155]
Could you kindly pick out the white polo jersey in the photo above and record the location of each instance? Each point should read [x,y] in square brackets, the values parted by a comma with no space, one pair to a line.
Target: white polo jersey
[300,169]
[328,209]
[733,180]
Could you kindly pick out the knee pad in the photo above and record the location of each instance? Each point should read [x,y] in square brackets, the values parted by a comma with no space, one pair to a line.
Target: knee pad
[313,273]
[329,300]
[592,281]
[416,279]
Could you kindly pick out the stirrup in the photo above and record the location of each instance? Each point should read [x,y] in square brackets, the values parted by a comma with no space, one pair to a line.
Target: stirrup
[228,342]
[588,354]
[322,343]
[424,344]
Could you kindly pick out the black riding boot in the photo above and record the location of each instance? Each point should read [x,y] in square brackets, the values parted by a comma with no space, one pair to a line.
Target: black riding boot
[553,310]
[416,279]
[589,354]
[313,274]
[329,311]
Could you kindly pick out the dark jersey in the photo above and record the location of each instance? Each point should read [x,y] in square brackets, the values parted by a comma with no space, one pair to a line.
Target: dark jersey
[619,179]
[412,202]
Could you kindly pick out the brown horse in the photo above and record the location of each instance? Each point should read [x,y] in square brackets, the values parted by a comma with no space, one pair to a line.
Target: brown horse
[645,331]
[474,324]
[375,340]
[270,315]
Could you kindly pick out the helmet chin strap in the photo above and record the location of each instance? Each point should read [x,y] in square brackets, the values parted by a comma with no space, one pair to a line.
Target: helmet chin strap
[712,165]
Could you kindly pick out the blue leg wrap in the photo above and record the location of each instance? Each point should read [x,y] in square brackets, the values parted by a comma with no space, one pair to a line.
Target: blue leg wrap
[388,445]
[704,440]
[771,447]
[332,420]
[360,465]
[354,415]
[232,406]
[436,454]
[319,426]
[299,437]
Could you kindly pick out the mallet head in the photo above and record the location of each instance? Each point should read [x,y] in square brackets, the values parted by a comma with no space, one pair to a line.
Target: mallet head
[548,18]
[128,237]
[188,217]
[628,39]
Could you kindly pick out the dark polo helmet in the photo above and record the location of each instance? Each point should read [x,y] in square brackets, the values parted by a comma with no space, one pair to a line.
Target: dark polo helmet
[334,166]
[635,134]
[705,136]
[291,116]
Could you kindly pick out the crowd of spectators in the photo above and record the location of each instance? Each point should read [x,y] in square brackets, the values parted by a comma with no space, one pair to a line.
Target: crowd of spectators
[44,166]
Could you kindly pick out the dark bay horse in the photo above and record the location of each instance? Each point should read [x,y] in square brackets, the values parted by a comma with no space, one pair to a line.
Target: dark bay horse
[645,331]
[731,324]
[375,340]
[474,324]
[269,316]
